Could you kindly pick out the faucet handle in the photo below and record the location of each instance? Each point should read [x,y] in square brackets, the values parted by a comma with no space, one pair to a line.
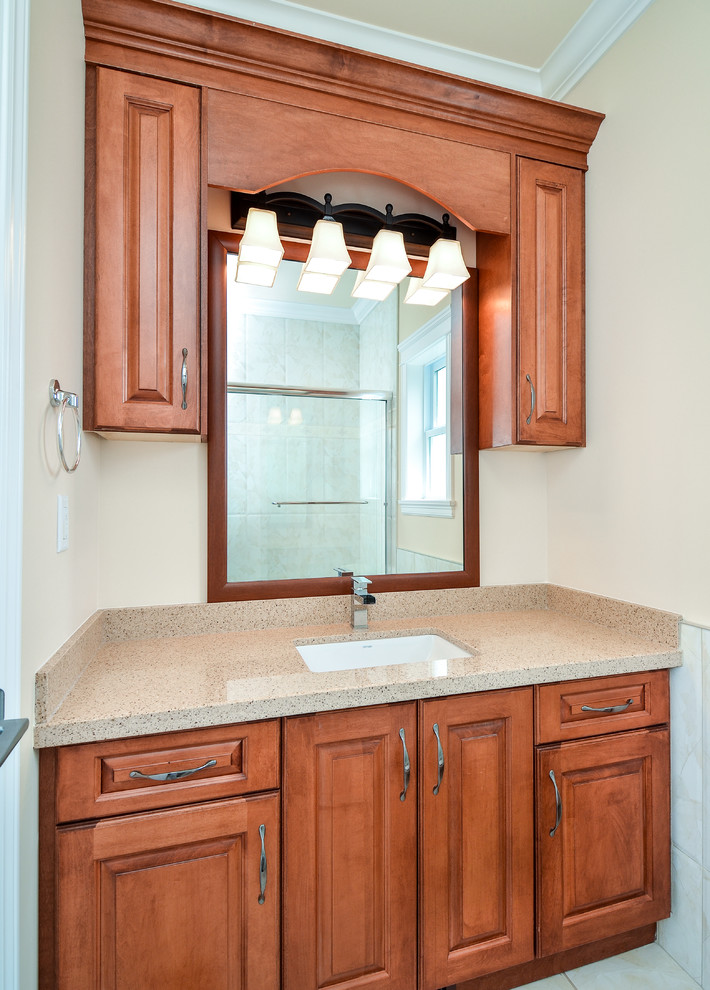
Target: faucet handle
[360,585]
[342,572]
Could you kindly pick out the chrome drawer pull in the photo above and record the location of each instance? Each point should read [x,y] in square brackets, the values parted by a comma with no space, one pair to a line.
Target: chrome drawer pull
[613,710]
[262,865]
[558,804]
[532,398]
[183,378]
[407,767]
[165,778]
[440,759]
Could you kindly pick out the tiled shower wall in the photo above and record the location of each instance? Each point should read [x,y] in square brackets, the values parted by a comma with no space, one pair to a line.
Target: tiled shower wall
[308,448]
[686,934]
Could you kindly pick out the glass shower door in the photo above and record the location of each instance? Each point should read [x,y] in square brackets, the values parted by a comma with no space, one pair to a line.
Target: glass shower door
[306,483]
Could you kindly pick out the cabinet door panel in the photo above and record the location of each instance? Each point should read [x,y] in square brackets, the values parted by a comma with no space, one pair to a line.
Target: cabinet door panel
[170,899]
[606,869]
[550,304]
[147,255]
[350,912]
[476,852]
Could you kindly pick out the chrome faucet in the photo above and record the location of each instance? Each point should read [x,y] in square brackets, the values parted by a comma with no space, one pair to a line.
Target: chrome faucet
[359,600]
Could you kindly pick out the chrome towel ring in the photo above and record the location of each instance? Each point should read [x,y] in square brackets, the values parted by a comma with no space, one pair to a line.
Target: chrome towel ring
[64,399]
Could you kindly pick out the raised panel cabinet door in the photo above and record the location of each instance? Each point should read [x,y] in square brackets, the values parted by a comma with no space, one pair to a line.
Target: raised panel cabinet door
[603,837]
[476,842]
[350,850]
[146,277]
[551,394]
[172,899]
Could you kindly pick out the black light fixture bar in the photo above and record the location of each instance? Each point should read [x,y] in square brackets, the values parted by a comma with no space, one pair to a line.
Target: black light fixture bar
[299,212]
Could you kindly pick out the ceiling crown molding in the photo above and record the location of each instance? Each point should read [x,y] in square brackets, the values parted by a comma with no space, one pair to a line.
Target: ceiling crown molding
[593,34]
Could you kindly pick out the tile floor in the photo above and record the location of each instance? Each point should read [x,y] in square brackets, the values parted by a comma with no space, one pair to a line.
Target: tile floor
[647,968]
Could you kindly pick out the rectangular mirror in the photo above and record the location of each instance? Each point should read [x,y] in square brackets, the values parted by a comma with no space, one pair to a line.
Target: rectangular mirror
[340,436]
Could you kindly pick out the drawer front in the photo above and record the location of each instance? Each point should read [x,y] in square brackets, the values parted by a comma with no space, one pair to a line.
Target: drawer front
[595,706]
[96,780]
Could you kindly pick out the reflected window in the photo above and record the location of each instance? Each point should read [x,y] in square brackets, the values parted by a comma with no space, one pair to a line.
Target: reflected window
[426,465]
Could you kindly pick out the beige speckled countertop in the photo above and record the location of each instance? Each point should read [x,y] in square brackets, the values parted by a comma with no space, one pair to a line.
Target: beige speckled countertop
[130,672]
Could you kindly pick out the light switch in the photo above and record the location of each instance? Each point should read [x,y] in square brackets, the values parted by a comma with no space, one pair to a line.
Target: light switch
[62,523]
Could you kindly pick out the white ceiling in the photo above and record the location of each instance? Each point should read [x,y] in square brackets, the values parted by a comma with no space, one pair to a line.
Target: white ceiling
[523,31]
[538,46]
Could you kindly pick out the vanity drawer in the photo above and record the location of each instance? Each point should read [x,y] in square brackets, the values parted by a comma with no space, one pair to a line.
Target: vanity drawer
[93,780]
[576,709]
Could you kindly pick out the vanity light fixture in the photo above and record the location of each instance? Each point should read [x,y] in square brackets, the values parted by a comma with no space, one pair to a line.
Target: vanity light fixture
[419,294]
[327,259]
[446,268]
[260,249]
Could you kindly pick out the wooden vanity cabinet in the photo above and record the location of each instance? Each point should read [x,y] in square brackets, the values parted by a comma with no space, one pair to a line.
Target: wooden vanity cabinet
[351,843]
[481,841]
[350,849]
[143,229]
[170,899]
[603,808]
[166,895]
[476,885]
[605,867]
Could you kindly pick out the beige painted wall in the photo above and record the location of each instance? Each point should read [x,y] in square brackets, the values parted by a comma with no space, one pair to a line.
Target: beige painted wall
[629,516]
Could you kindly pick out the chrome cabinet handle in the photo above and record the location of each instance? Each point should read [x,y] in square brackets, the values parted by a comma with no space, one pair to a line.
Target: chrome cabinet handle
[407,767]
[558,804]
[532,398]
[165,778]
[183,378]
[439,759]
[262,865]
[612,710]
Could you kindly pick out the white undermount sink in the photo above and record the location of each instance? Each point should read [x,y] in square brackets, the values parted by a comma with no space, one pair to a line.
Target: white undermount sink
[354,654]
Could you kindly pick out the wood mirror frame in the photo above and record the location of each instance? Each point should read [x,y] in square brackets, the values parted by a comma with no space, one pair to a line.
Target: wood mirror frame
[463,396]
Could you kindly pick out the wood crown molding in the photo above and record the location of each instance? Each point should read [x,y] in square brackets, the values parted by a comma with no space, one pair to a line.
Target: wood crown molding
[159,37]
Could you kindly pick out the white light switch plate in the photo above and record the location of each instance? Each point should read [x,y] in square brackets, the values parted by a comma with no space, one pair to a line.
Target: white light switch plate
[62,523]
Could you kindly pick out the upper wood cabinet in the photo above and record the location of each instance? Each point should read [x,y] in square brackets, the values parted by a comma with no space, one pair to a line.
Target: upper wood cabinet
[142,322]
[550,383]
[532,376]
[479,150]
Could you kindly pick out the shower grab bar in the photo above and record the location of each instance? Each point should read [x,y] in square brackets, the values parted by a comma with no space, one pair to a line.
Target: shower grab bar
[358,501]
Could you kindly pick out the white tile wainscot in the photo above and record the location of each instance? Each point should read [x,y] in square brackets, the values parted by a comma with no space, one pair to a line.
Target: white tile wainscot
[686,934]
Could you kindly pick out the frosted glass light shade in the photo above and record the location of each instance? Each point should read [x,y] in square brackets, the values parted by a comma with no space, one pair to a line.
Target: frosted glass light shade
[446,268]
[328,254]
[260,249]
[388,261]
[317,282]
[421,295]
[365,288]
